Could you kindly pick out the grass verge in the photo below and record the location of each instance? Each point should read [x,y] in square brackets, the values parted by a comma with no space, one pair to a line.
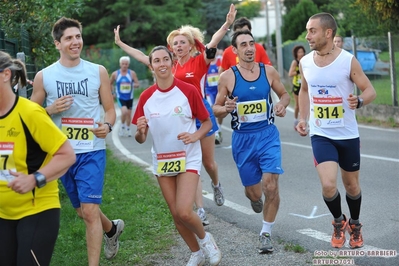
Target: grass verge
[129,194]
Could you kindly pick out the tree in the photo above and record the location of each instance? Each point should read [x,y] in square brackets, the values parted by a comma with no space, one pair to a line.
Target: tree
[143,24]
[37,18]
[385,12]
[248,9]
[213,16]
[351,17]
[294,22]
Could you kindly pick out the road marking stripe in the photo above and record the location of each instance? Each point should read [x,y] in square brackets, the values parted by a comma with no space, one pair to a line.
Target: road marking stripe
[362,155]
[230,204]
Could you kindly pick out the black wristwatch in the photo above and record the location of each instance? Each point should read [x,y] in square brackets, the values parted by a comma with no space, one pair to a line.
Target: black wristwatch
[359,102]
[109,125]
[40,179]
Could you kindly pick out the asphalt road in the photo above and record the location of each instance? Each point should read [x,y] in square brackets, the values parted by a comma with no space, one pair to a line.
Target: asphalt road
[303,217]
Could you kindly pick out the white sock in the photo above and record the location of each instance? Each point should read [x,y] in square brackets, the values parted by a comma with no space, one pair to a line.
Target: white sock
[206,239]
[199,252]
[267,228]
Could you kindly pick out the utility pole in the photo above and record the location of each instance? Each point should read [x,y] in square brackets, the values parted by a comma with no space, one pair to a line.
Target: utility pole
[279,47]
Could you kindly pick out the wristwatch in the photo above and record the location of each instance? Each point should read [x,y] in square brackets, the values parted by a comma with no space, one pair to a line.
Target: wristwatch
[40,179]
[359,102]
[109,125]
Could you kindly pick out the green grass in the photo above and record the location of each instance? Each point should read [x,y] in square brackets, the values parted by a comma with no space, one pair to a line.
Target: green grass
[382,85]
[129,194]
[294,248]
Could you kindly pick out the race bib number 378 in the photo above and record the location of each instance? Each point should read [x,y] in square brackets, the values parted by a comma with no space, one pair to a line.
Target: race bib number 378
[78,132]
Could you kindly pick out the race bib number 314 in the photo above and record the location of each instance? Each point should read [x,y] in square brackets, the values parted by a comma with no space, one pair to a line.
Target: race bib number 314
[328,112]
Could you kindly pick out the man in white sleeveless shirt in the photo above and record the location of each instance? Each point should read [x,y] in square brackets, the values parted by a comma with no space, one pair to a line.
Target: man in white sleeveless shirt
[72,88]
[327,99]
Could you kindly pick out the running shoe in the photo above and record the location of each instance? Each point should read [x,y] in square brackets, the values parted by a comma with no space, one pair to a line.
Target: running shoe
[202,216]
[211,250]
[128,132]
[121,132]
[265,243]
[111,246]
[218,194]
[218,138]
[257,206]
[356,238]
[196,259]
[338,238]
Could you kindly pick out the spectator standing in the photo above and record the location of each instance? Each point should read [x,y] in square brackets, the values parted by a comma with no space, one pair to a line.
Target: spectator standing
[298,52]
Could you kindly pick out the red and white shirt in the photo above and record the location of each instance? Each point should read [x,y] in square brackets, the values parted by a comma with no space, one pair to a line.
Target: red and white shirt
[171,112]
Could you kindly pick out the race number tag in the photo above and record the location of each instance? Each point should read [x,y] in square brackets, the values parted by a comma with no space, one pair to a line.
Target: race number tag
[6,161]
[212,79]
[171,163]
[78,132]
[328,112]
[252,111]
[125,87]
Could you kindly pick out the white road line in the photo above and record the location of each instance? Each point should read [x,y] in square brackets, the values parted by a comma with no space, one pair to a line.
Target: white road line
[230,204]
[327,238]
[118,144]
[362,155]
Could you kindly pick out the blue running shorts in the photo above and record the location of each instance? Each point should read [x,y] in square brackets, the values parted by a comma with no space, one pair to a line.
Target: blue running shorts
[256,152]
[84,180]
[344,152]
[213,119]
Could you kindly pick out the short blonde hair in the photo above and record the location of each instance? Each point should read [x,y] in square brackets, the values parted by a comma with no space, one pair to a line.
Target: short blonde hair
[124,58]
[191,33]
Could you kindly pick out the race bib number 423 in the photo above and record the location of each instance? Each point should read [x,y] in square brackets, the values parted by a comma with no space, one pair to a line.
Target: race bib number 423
[78,132]
[171,163]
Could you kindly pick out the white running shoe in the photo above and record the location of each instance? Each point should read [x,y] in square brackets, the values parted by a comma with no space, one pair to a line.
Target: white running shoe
[211,250]
[218,194]
[202,216]
[128,132]
[121,132]
[196,259]
[111,246]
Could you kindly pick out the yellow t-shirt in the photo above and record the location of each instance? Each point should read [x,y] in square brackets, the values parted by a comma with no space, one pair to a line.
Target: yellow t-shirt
[28,140]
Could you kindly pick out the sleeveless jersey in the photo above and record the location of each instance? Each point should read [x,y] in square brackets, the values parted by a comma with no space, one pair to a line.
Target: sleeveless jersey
[296,80]
[124,85]
[193,72]
[328,88]
[212,77]
[83,83]
[169,113]
[254,105]
[28,140]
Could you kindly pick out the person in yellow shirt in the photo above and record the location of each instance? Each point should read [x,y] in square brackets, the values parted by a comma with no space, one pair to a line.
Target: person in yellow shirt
[34,153]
